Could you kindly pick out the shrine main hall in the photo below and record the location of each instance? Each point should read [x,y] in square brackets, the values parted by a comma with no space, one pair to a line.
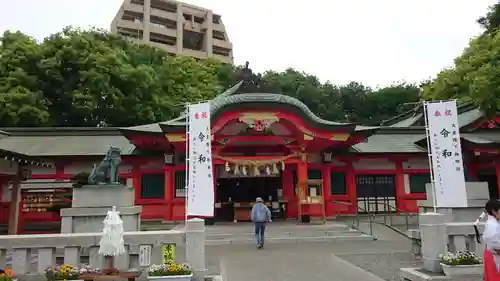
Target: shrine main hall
[263,145]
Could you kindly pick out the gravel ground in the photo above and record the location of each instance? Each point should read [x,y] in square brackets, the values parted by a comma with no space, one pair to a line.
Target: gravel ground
[385,266]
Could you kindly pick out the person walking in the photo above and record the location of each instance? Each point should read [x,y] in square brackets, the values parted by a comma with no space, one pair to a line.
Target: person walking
[260,216]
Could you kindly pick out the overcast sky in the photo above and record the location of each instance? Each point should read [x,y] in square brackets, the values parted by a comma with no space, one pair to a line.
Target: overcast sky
[375,42]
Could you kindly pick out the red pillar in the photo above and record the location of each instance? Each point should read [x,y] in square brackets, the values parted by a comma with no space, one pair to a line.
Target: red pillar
[169,193]
[350,176]
[497,172]
[400,185]
[302,176]
[136,181]
[214,178]
[287,184]
[327,189]
[287,187]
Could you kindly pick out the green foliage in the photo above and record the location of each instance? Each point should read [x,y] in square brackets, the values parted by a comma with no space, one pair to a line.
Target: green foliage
[93,78]
[491,21]
[475,76]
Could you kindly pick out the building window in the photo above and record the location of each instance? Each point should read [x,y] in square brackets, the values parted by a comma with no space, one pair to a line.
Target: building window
[180,183]
[153,186]
[418,182]
[337,182]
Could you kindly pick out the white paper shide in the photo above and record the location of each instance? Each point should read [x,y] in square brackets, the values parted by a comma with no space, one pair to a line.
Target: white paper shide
[200,195]
[446,154]
[112,243]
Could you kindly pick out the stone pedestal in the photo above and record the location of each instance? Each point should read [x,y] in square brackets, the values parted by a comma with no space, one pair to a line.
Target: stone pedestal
[195,248]
[477,196]
[92,202]
[434,240]
[434,243]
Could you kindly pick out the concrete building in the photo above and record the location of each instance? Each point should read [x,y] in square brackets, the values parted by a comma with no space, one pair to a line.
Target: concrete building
[178,28]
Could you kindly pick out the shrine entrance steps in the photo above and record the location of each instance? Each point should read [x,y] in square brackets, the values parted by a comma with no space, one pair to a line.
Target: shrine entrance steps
[282,232]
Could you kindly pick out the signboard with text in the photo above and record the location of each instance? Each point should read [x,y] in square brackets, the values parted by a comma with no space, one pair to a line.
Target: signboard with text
[200,192]
[446,154]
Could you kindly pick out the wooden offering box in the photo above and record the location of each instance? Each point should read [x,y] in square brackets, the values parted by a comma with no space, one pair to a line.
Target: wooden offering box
[243,211]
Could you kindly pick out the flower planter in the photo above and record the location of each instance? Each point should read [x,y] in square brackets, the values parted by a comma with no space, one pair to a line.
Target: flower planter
[171,278]
[461,270]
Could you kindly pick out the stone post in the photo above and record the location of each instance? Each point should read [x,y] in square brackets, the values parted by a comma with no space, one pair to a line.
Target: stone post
[434,240]
[195,248]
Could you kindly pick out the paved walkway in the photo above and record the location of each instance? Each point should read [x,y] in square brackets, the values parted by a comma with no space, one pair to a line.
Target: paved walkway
[297,262]
[338,261]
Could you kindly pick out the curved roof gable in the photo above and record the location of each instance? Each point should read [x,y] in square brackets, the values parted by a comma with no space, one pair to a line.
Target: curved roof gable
[261,99]
[231,100]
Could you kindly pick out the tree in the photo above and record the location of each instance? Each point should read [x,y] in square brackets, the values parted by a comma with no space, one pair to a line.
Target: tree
[491,21]
[474,77]
[94,78]
[385,103]
[21,101]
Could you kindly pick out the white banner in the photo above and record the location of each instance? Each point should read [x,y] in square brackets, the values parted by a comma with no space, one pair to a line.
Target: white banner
[200,193]
[447,162]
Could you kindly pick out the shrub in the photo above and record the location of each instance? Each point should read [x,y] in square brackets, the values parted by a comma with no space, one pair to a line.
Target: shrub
[169,269]
[461,258]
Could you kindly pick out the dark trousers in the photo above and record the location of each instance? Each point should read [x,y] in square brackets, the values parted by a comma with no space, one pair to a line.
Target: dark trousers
[260,228]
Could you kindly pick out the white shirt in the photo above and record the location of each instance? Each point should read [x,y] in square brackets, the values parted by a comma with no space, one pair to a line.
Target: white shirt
[491,236]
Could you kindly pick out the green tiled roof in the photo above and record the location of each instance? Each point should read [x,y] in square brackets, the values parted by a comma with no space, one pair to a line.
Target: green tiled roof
[408,122]
[391,142]
[231,98]
[468,117]
[154,128]
[263,98]
[478,138]
[3,134]
[482,138]
[65,141]
[467,114]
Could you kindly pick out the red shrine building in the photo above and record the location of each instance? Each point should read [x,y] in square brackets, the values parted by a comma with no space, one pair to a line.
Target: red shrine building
[265,145]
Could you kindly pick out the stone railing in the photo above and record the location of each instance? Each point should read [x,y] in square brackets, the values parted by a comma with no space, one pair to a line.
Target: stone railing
[460,237]
[30,255]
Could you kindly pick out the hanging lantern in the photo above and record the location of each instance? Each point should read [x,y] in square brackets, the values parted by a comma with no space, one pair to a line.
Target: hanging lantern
[228,169]
[275,169]
[244,169]
[256,171]
[282,165]
[236,170]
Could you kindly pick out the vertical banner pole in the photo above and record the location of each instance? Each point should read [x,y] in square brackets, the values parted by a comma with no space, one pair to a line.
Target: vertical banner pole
[188,159]
[199,181]
[429,155]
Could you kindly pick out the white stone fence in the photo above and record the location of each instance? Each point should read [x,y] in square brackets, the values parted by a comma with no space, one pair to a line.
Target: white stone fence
[30,255]
[435,237]
[461,237]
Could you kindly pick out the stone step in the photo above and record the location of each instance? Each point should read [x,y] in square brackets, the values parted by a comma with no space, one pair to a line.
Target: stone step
[275,233]
[282,232]
[304,239]
[277,227]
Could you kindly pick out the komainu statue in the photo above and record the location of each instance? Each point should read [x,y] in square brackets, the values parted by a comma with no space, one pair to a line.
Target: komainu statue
[108,168]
